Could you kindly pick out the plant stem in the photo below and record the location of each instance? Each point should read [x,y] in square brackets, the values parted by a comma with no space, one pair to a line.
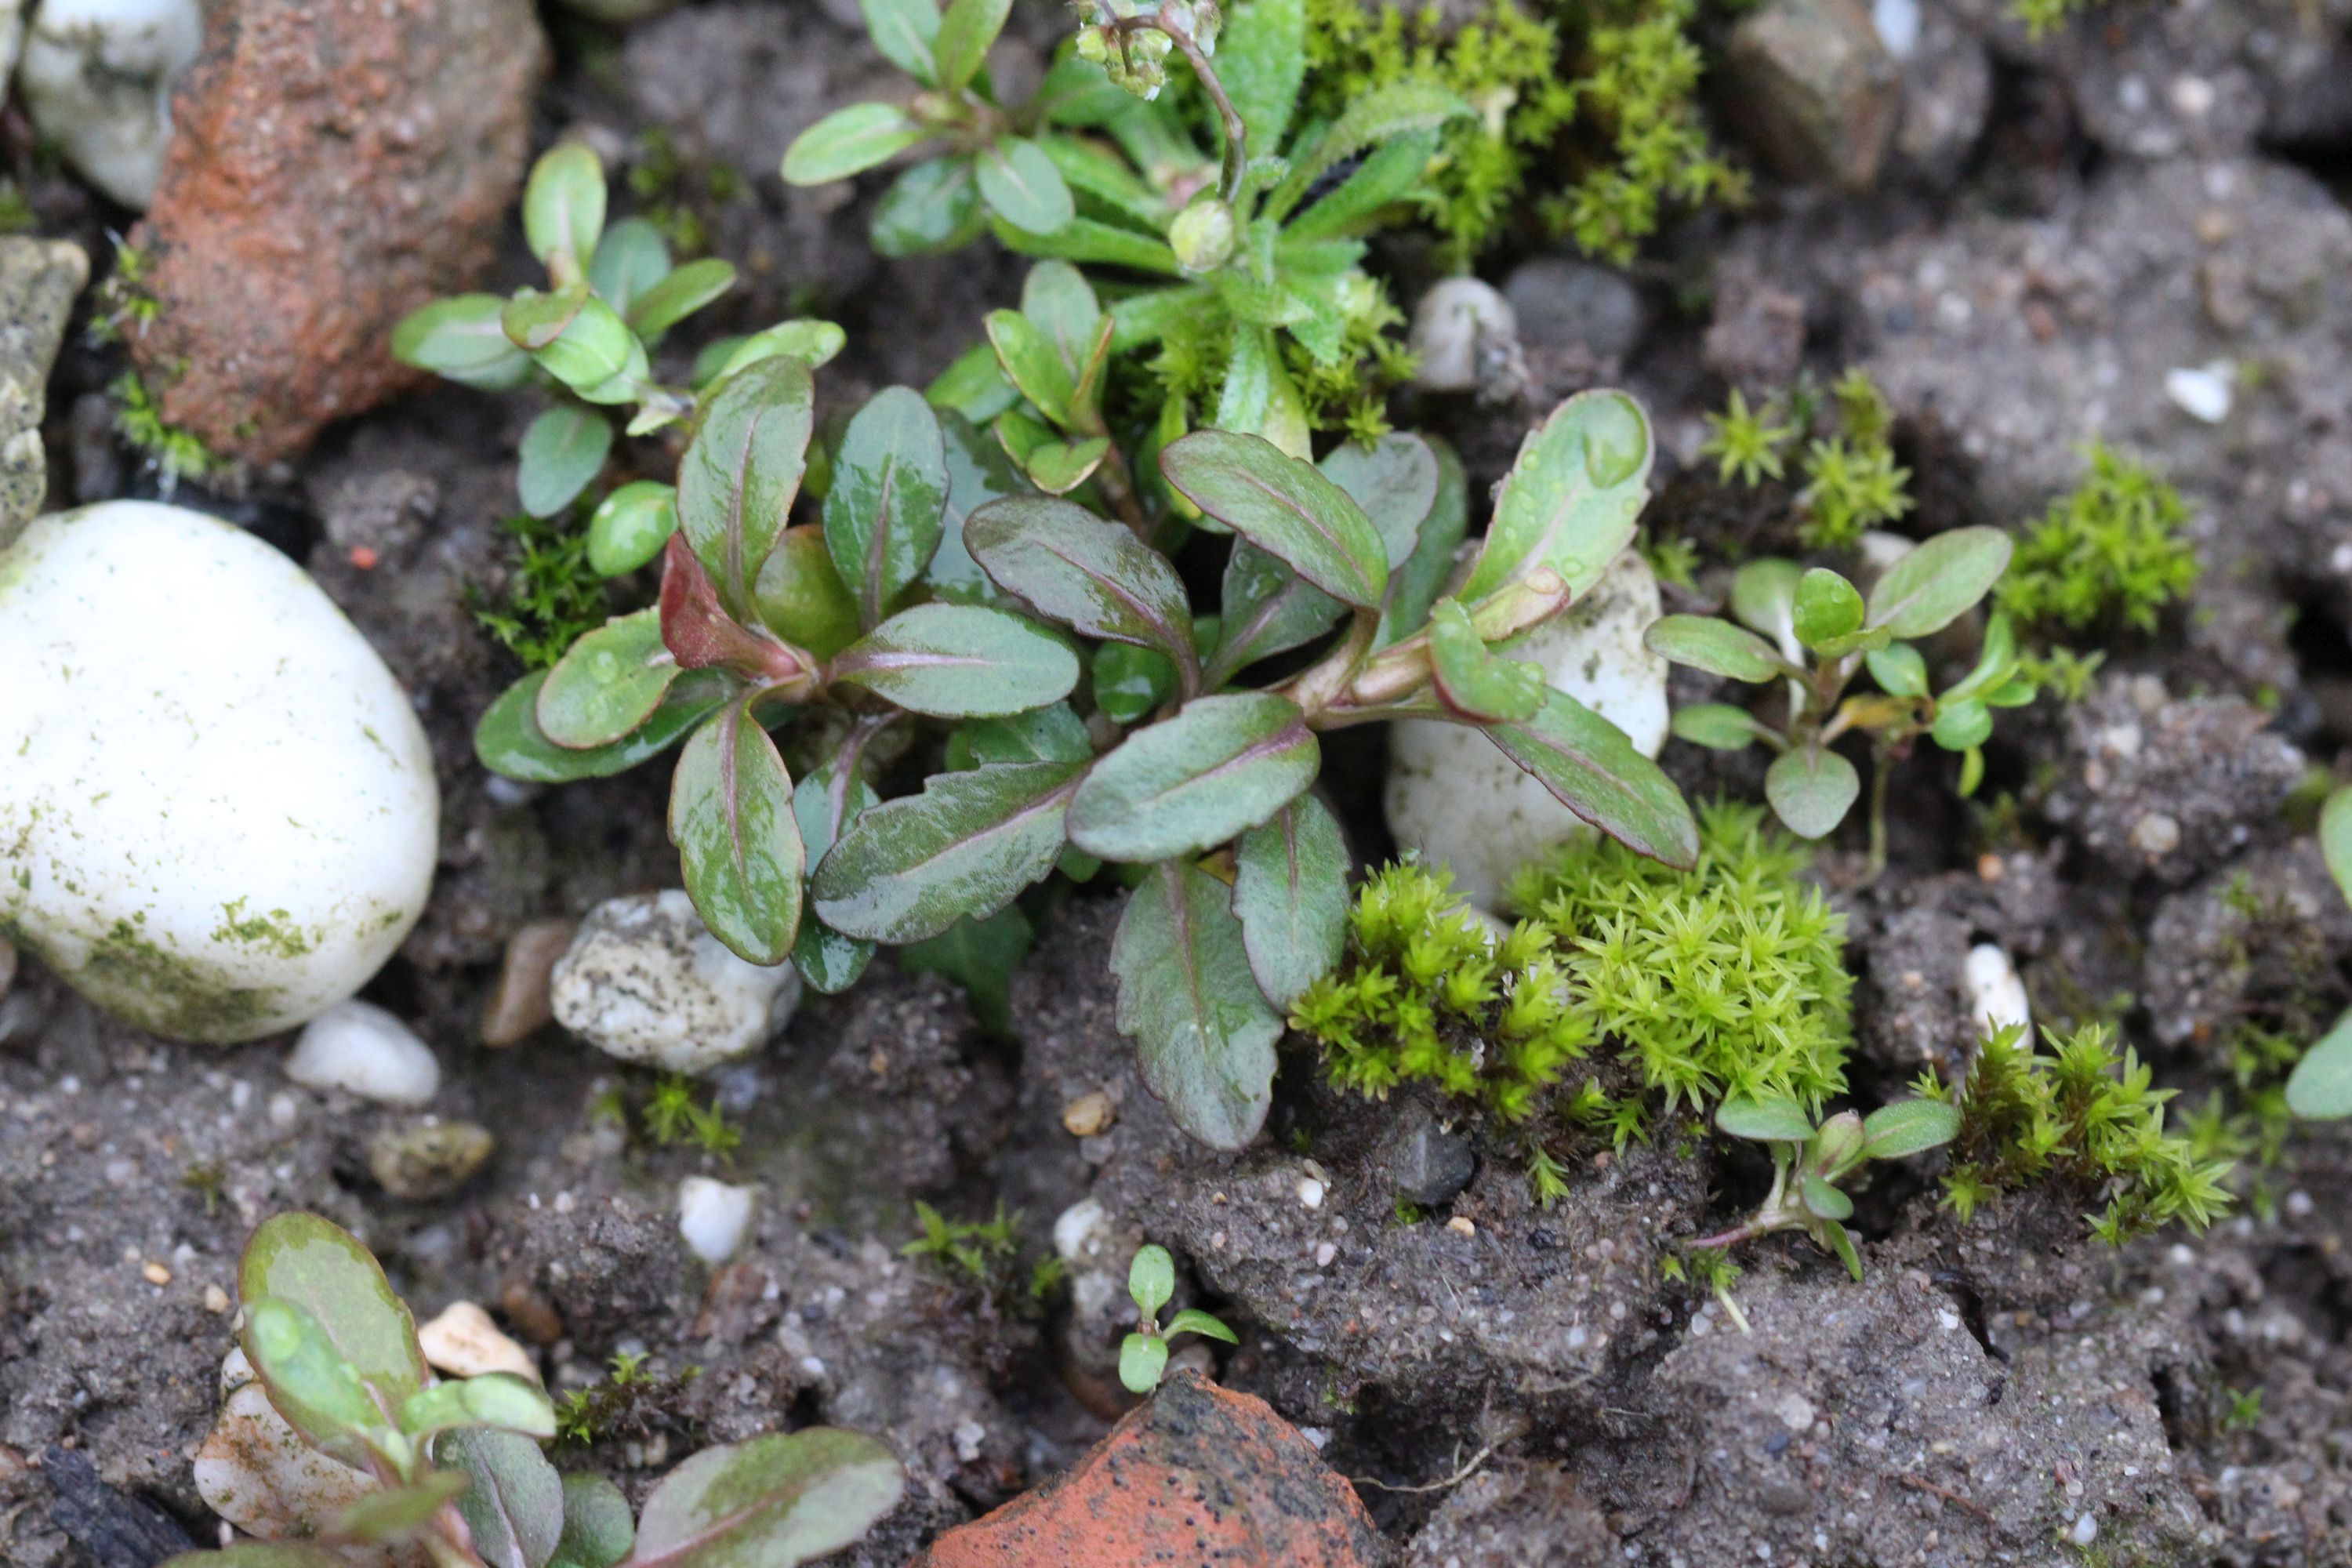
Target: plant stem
[1229,183]
[1880,768]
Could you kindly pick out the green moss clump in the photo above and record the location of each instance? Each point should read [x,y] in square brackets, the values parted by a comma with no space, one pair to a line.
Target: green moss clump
[2083,1119]
[556,595]
[174,454]
[1850,480]
[1726,979]
[2108,553]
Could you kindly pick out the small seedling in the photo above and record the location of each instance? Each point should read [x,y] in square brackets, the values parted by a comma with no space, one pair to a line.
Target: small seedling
[977,1246]
[396,1461]
[1809,1163]
[1813,630]
[672,1117]
[1849,482]
[1143,1354]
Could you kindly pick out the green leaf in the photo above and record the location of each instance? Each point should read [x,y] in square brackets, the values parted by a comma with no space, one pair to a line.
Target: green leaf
[1221,765]
[1058,468]
[1092,577]
[499,1399]
[1094,243]
[1717,726]
[1285,507]
[974,388]
[960,661]
[1395,481]
[1049,734]
[849,141]
[630,526]
[1021,185]
[679,295]
[1471,681]
[1717,647]
[1962,724]
[1764,596]
[814,343]
[2336,837]
[904,30]
[1414,586]
[1268,609]
[911,867]
[1262,59]
[318,1265]
[254,1555]
[1141,1359]
[731,816]
[773,1502]
[882,515]
[1835,1235]
[1822,1199]
[1151,1279]
[608,683]
[737,480]
[397,1513]
[317,1392]
[1937,581]
[1826,608]
[1193,1321]
[1388,174]
[1773,1120]
[980,956]
[597,1528]
[631,258]
[589,349]
[1406,108]
[964,36]
[979,471]
[1204,1032]
[1593,770]
[2320,1087]
[563,209]
[1033,363]
[463,339]
[932,207]
[1290,892]
[1899,670]
[563,450]
[1248,394]
[1572,497]
[1810,788]
[1909,1127]
[802,599]
[509,743]
[1129,682]
[514,1506]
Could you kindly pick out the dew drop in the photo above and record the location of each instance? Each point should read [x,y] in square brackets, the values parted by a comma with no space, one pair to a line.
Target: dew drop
[1616,439]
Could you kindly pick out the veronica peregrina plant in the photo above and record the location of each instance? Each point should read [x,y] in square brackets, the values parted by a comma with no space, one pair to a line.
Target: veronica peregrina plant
[1143,1354]
[1810,1163]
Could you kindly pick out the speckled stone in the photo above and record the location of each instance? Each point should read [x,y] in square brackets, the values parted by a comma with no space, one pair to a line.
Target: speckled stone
[38,281]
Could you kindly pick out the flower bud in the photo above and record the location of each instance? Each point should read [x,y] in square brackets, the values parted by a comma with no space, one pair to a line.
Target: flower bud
[1838,1146]
[1202,234]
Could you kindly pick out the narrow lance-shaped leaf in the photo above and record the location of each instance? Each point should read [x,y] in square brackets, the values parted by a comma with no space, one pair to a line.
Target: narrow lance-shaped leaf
[737,480]
[882,514]
[910,868]
[1593,770]
[1572,497]
[679,295]
[2336,837]
[1203,1031]
[960,661]
[1091,575]
[319,1266]
[1286,507]
[1290,891]
[1471,681]
[731,816]
[608,683]
[776,1501]
[514,1506]
[1222,764]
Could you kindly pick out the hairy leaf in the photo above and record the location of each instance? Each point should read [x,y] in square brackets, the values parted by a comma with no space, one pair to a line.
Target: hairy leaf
[890,491]
[1572,497]
[1285,507]
[731,816]
[911,867]
[1593,770]
[1290,891]
[773,1502]
[1204,1032]
[1262,59]
[960,661]
[1221,765]
[514,1506]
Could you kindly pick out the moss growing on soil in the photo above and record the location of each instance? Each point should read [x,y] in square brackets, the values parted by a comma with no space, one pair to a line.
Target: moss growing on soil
[2109,553]
[131,974]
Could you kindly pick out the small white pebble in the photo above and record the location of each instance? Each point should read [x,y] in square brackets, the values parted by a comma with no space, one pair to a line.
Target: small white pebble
[464,1342]
[362,1050]
[1795,1411]
[1898,22]
[157,1274]
[216,1299]
[2156,835]
[1325,1254]
[1996,993]
[2192,97]
[2202,393]
[1460,1224]
[2298,1204]
[2086,1530]
[713,1216]
[1310,1192]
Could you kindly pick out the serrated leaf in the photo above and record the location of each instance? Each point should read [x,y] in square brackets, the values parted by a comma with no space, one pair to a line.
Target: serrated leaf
[631,258]
[1571,498]
[960,661]
[911,867]
[464,340]
[889,492]
[318,1265]
[2320,1087]
[1590,767]
[514,1505]
[1021,185]
[509,743]
[1937,581]
[1909,1127]
[980,956]
[1203,1031]
[1717,726]
[1285,507]
[1811,789]
[1221,765]
[1717,647]
[1471,681]
[500,1399]
[773,1502]
[731,816]
[598,1530]
[904,31]
[1290,893]
[849,141]
[1262,59]
[608,683]
[930,208]
[1091,575]
[737,480]
[1773,1120]
[309,1383]
[679,295]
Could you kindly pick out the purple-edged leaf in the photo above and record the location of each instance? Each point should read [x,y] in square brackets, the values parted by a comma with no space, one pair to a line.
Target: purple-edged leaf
[1203,1031]
[1221,765]
[824,805]
[698,632]
[731,816]
[1285,507]
[608,683]
[738,477]
[960,661]
[1811,788]
[508,741]
[910,868]
[1095,577]
[319,1266]
[1290,891]
[514,1504]
[1593,770]
[1471,681]
[1570,498]
[776,1501]
[882,514]
[1268,609]
[1394,480]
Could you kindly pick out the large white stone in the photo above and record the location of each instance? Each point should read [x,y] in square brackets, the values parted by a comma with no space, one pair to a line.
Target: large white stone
[97,79]
[217,811]
[647,982]
[1455,798]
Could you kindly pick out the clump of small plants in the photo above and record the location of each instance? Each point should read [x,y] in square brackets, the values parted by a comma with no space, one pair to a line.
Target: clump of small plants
[1810,633]
[339,1444]
[627,1403]
[2108,555]
[1847,480]
[1143,1354]
[2083,1119]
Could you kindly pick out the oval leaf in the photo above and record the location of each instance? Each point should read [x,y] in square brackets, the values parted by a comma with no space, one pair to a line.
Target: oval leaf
[509,743]
[1822,1199]
[464,339]
[1395,480]
[1414,586]
[932,207]
[888,494]
[1826,608]
[563,209]
[680,295]
[1141,1359]
[1572,497]
[849,141]
[1095,577]
[1203,1031]
[1031,363]
[608,683]
[1593,770]
[319,1266]
[738,477]
[1221,765]
[317,1392]
[1909,1127]
[500,1399]
[1290,891]
[1717,647]
[731,816]
[631,258]
[1810,788]
[2320,1087]
[1717,726]
[912,867]
[514,1505]
[1151,1279]
[1021,185]
[773,1502]
[2336,837]
[960,661]
[1764,596]
[1268,609]
[630,526]
[597,1528]
[1286,507]
[1934,582]
[1771,1121]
